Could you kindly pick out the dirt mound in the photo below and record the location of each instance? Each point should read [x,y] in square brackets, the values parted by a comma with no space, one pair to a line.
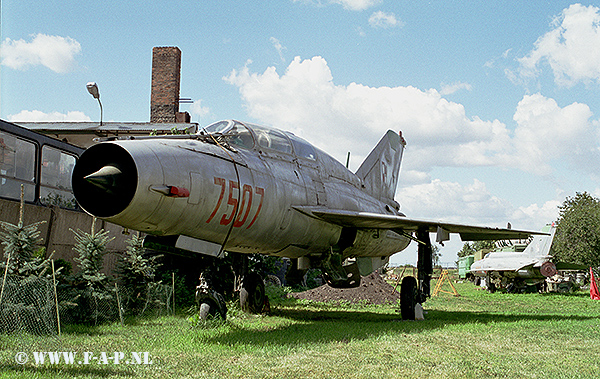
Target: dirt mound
[372,290]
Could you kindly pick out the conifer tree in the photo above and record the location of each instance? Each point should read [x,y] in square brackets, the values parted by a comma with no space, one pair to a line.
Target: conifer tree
[26,303]
[20,246]
[137,274]
[91,284]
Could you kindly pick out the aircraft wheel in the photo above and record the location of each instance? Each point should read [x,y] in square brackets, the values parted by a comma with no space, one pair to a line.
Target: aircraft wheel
[274,280]
[252,293]
[207,310]
[210,308]
[408,297]
[210,302]
[491,286]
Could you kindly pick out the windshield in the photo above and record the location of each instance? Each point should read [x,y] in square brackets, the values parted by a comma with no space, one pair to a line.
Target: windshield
[239,136]
[232,133]
[217,127]
[272,139]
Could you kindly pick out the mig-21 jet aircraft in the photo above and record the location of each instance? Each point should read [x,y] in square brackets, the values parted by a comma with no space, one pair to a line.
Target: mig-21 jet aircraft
[239,188]
[513,271]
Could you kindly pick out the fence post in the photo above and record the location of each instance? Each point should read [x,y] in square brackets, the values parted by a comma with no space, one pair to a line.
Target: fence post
[4,279]
[173,302]
[55,296]
[119,304]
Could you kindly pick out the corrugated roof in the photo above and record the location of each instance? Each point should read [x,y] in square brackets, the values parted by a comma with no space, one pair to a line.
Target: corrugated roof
[107,127]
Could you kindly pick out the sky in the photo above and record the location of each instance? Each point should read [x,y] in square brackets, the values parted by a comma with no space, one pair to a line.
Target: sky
[498,101]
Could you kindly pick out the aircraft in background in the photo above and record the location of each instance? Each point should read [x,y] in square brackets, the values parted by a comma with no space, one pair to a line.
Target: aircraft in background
[240,188]
[514,270]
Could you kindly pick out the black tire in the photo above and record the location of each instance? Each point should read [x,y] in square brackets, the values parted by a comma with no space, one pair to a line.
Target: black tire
[252,293]
[491,286]
[408,297]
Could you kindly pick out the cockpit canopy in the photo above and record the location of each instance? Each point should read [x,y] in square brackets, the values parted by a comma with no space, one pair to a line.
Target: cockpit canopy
[250,136]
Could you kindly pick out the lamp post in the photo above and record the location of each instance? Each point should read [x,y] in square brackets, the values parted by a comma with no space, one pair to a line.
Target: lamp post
[92,88]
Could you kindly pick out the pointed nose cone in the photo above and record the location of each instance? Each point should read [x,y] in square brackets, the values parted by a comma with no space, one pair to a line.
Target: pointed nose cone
[106,178]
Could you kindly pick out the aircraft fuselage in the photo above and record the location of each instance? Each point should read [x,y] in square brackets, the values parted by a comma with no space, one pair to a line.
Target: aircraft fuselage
[238,194]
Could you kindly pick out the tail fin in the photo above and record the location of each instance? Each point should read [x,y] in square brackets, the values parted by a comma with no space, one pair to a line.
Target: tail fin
[540,245]
[379,171]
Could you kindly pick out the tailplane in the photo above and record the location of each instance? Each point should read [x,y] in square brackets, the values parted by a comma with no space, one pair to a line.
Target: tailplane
[379,171]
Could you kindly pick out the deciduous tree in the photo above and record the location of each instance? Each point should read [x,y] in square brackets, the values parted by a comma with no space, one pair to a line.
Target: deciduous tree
[577,238]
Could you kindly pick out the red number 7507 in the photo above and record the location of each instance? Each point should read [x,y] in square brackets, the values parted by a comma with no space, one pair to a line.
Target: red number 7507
[244,206]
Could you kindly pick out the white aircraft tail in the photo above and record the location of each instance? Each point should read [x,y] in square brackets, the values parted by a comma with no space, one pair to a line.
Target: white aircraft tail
[379,171]
[540,245]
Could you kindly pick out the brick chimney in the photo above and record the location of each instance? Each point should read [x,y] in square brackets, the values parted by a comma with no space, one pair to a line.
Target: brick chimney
[164,100]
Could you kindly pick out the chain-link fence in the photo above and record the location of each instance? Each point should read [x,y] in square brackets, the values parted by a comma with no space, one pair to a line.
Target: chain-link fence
[30,305]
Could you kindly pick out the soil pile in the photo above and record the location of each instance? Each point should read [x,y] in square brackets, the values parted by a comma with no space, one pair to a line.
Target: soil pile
[372,290]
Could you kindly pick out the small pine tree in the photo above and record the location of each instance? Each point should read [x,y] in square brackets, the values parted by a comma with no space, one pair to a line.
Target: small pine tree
[137,275]
[90,283]
[26,278]
[20,246]
[20,249]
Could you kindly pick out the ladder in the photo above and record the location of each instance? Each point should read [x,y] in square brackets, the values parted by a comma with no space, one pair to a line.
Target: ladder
[440,282]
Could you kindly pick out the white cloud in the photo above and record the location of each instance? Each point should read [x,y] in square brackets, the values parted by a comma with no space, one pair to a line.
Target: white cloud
[572,48]
[305,99]
[384,20]
[357,5]
[279,47]
[454,202]
[448,89]
[472,203]
[198,109]
[352,5]
[39,116]
[536,215]
[54,52]
[546,132]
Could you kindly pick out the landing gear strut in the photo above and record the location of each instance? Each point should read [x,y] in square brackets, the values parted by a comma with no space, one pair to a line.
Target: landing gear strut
[413,291]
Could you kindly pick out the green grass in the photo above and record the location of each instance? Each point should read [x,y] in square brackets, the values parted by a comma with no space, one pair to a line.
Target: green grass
[476,335]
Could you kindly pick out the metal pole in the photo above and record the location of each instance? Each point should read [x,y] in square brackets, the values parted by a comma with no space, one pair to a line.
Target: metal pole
[100,110]
[55,296]
[173,292]
[4,280]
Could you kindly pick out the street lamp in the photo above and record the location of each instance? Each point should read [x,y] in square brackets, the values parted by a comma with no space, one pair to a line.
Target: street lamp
[92,88]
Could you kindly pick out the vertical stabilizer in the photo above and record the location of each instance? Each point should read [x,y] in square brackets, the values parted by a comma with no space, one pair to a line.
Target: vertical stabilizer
[540,245]
[379,171]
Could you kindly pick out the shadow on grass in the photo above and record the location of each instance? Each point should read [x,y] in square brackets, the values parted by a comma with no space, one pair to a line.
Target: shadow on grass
[322,326]
[114,326]
[73,371]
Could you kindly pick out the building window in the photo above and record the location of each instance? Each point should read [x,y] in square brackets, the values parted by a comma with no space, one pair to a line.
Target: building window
[55,183]
[17,167]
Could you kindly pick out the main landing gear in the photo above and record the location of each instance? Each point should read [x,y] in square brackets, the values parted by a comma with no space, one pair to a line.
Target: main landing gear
[250,285]
[252,293]
[417,290]
[210,302]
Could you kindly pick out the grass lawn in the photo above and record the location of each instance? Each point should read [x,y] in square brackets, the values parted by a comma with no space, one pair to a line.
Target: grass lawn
[476,335]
